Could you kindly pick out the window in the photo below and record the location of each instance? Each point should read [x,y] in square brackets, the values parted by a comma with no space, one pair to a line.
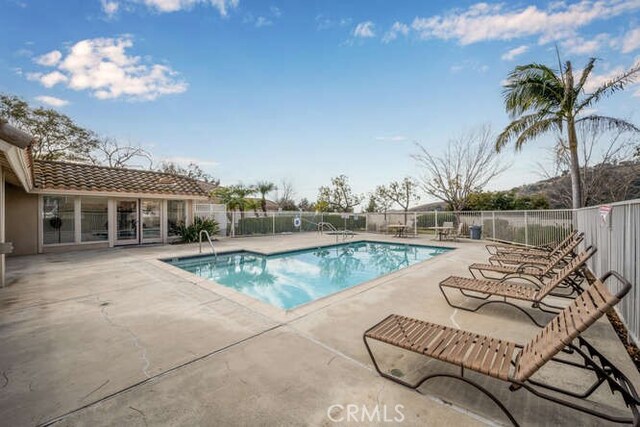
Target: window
[94,219]
[58,222]
[176,216]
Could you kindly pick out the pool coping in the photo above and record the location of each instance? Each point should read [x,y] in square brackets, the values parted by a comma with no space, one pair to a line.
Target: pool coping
[286,315]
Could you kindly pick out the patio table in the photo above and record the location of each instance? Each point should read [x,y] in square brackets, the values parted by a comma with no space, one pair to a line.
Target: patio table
[400,229]
[441,231]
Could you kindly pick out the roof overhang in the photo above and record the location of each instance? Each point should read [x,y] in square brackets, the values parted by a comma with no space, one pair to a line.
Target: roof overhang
[13,147]
[118,194]
[14,136]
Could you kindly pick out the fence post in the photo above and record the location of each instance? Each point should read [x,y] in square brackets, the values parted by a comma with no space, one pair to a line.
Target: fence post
[493,221]
[435,211]
[526,229]
[273,222]
[233,223]
[415,224]
[366,222]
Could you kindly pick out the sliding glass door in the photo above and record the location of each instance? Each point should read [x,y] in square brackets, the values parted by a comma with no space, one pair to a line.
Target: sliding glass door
[151,213]
[127,222]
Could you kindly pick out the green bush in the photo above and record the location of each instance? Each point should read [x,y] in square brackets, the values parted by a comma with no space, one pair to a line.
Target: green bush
[191,233]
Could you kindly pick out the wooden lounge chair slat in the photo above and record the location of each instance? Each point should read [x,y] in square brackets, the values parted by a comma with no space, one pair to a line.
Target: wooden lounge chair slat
[432,332]
[566,326]
[464,347]
[495,368]
[448,344]
[526,267]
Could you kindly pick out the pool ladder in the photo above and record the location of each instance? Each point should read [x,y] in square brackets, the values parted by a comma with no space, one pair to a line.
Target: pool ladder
[206,233]
[334,231]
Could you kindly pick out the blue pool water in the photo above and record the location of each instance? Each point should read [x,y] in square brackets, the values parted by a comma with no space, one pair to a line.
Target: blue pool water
[290,279]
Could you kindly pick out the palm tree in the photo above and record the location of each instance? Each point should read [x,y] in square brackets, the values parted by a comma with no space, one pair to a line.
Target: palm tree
[264,187]
[540,99]
[235,197]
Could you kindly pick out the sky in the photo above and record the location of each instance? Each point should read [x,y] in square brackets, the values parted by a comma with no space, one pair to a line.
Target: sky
[304,90]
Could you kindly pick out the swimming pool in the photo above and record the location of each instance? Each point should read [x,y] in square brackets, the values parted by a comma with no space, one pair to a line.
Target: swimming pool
[287,280]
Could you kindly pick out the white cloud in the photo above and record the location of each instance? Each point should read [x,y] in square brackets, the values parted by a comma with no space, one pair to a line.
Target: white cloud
[166,6]
[394,138]
[325,23]
[110,7]
[579,46]
[482,21]
[398,28]
[595,80]
[103,67]
[364,30]
[49,59]
[631,41]
[261,21]
[516,51]
[275,11]
[49,79]
[469,65]
[52,100]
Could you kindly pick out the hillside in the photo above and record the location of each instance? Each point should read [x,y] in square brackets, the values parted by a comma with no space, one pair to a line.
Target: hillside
[603,184]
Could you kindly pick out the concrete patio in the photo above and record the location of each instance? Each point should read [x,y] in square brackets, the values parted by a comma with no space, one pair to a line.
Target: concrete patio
[114,337]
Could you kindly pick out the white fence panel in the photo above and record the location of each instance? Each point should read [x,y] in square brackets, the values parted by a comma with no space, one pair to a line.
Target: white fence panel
[213,211]
[617,238]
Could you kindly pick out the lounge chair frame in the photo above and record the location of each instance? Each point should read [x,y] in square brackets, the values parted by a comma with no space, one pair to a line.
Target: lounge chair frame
[536,303]
[527,268]
[547,249]
[591,360]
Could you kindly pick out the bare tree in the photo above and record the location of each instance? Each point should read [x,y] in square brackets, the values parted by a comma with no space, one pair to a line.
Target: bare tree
[192,171]
[339,195]
[608,169]
[468,164]
[382,200]
[285,194]
[110,153]
[400,192]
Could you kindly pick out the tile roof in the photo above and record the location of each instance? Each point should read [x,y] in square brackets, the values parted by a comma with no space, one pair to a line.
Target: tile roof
[50,175]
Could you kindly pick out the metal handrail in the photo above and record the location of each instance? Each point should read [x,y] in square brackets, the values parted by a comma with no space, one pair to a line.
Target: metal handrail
[206,233]
[330,227]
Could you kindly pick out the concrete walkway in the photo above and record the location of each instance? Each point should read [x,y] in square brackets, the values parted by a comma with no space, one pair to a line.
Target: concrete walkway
[113,338]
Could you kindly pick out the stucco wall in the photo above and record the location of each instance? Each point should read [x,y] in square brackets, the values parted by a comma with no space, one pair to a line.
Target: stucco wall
[21,220]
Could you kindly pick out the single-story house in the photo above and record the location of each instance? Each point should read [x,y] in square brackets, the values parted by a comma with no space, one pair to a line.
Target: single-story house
[60,206]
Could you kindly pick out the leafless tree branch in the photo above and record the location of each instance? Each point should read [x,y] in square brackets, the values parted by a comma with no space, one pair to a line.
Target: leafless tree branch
[468,164]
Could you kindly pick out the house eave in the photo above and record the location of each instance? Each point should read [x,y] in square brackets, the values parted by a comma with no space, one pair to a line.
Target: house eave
[123,195]
[18,163]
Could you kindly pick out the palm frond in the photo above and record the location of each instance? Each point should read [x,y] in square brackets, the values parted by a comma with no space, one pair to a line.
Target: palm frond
[536,129]
[616,84]
[518,126]
[586,72]
[532,87]
[597,123]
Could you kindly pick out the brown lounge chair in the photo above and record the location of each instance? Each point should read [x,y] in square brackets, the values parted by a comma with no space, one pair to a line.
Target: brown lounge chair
[548,250]
[538,259]
[514,363]
[527,268]
[509,289]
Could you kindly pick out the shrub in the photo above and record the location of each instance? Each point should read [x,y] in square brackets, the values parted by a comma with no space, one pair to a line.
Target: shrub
[191,233]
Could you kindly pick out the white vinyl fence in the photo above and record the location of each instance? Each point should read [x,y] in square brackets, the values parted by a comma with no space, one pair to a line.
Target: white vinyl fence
[615,231]
[526,227]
